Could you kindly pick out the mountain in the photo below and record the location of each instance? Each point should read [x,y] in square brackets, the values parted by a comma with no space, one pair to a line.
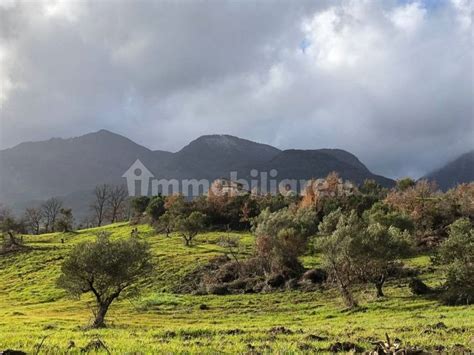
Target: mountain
[460,170]
[307,164]
[71,168]
[38,170]
[213,156]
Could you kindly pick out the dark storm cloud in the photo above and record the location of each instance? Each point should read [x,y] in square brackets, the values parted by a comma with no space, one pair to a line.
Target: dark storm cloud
[390,81]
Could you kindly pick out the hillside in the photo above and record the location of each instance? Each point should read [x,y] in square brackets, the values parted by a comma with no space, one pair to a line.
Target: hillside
[307,164]
[71,168]
[458,171]
[32,307]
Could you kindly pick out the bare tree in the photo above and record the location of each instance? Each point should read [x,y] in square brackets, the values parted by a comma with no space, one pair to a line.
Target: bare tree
[99,206]
[116,201]
[50,210]
[33,219]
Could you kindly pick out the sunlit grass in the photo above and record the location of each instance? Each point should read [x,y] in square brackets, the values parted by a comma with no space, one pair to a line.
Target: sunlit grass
[31,307]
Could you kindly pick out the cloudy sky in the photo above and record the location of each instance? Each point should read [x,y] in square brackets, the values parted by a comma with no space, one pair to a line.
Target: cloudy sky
[390,81]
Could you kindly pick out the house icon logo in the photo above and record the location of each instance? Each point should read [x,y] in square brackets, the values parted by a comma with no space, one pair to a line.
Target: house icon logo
[138,179]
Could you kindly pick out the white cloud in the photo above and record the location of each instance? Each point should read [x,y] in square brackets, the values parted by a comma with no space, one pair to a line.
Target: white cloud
[409,17]
[65,9]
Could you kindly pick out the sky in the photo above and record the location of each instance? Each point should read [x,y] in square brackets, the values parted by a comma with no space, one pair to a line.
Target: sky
[390,81]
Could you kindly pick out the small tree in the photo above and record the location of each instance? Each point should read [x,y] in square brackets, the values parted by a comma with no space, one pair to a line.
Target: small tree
[65,220]
[377,251]
[457,256]
[420,202]
[99,205]
[116,202]
[10,227]
[139,205]
[34,219]
[156,207]
[165,224]
[104,268]
[282,237]
[386,216]
[337,232]
[189,227]
[50,210]
[232,246]
[405,183]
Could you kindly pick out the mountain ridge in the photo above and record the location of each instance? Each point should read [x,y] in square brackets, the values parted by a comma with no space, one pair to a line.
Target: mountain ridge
[62,167]
[456,171]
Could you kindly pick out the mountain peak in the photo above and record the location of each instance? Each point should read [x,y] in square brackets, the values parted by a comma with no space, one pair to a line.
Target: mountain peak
[228,143]
[217,140]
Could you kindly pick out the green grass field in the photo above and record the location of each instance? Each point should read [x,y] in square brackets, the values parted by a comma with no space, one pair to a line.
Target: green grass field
[34,310]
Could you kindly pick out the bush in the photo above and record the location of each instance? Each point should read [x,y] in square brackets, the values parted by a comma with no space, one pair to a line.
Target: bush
[282,237]
[457,256]
[156,208]
[139,204]
[418,287]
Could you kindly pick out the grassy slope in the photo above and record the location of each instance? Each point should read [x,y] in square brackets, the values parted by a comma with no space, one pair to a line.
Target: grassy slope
[31,307]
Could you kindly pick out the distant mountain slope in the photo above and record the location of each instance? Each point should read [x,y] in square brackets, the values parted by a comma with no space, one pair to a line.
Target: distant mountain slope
[307,164]
[460,170]
[68,168]
[38,170]
[213,156]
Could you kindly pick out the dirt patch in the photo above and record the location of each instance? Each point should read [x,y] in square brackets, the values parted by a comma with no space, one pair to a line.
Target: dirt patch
[345,347]
[280,330]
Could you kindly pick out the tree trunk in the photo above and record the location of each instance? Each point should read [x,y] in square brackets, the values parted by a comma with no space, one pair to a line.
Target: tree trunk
[99,321]
[346,294]
[13,240]
[379,290]
[379,285]
[349,300]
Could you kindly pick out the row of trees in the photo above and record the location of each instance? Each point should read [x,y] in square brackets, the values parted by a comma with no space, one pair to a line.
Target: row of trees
[110,203]
[50,216]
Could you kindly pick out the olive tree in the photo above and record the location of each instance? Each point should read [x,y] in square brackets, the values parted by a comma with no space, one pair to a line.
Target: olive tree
[355,250]
[164,223]
[105,268]
[189,227]
[457,256]
[282,238]
[337,231]
[377,251]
